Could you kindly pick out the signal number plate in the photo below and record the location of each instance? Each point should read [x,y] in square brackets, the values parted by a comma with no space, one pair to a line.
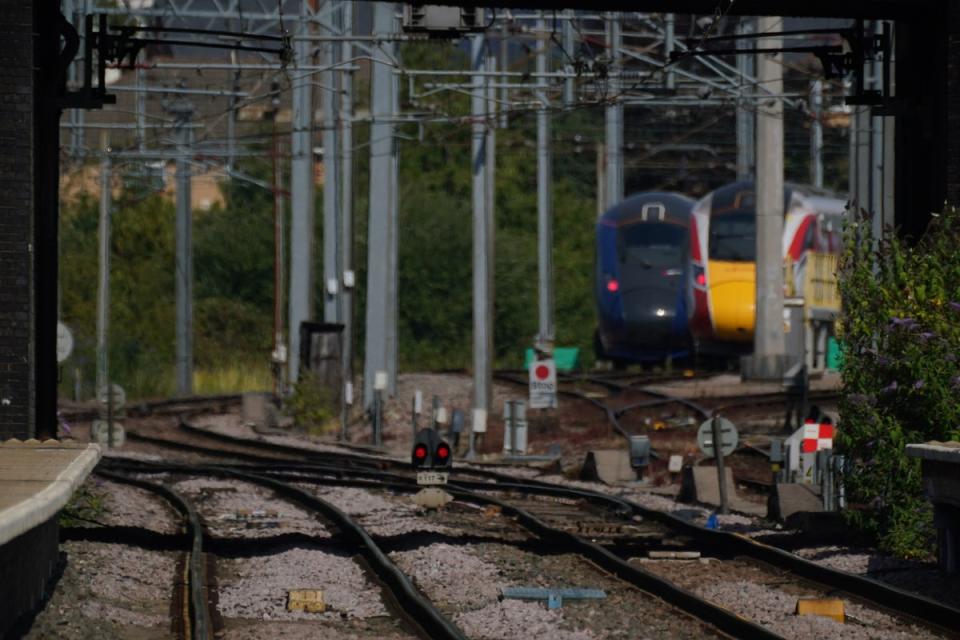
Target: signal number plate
[432,477]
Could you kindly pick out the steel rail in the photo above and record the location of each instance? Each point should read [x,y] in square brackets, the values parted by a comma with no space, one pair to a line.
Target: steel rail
[903,603]
[660,588]
[201,627]
[149,407]
[416,608]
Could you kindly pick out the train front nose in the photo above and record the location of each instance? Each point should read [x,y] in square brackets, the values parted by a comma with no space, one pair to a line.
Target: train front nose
[734,310]
[651,314]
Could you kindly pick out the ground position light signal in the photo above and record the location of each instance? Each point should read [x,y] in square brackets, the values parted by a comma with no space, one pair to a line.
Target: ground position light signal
[430,451]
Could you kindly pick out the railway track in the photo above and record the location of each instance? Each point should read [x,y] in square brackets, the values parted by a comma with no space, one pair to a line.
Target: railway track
[575,519]
[199,609]
[194,604]
[164,407]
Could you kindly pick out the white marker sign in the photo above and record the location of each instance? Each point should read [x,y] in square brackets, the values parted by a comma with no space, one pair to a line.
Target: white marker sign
[116,395]
[543,384]
[64,342]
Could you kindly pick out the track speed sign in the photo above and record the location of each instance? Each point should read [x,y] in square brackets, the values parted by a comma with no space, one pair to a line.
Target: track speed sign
[728,437]
[543,384]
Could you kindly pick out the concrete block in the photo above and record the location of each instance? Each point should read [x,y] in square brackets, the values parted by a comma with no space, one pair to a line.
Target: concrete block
[258,409]
[608,465]
[699,484]
[791,498]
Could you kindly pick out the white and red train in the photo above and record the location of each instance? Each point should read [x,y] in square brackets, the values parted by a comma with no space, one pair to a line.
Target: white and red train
[723,256]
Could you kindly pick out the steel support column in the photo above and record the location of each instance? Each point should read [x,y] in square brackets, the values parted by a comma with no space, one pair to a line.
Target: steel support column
[613,115]
[545,334]
[816,133]
[302,193]
[103,288]
[569,86]
[393,283]
[346,195]
[183,112]
[769,348]
[482,245]
[746,116]
[669,43]
[330,101]
[380,205]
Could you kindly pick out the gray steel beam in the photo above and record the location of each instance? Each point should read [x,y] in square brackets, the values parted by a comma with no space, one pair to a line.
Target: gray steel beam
[816,133]
[302,194]
[669,44]
[141,110]
[183,111]
[613,115]
[393,283]
[504,69]
[346,204]
[860,139]
[103,289]
[545,334]
[876,147]
[379,226]
[746,116]
[330,101]
[569,85]
[889,148]
[482,247]
[768,342]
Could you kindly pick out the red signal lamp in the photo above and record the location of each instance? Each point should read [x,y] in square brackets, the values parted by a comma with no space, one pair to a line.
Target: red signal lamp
[701,279]
[419,453]
[612,285]
[443,452]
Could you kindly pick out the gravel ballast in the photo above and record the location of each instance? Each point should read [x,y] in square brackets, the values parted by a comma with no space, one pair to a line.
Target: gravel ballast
[770,599]
[109,591]
[379,513]
[232,508]
[129,506]
[257,587]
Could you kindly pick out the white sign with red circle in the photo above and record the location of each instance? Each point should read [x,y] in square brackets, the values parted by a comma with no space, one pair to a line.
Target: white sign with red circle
[543,384]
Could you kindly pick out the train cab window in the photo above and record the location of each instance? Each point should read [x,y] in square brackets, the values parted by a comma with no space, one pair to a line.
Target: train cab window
[733,237]
[810,237]
[652,245]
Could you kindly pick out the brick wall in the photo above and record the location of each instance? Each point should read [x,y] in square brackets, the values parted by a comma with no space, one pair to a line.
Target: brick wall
[16,212]
[29,567]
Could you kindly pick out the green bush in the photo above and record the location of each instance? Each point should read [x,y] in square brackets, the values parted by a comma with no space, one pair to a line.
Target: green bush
[901,339]
[313,405]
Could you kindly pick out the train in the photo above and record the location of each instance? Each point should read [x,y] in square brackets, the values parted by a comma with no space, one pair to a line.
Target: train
[642,279]
[723,253]
[675,278]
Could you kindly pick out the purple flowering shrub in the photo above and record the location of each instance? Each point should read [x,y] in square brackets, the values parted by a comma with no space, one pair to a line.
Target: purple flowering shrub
[900,331]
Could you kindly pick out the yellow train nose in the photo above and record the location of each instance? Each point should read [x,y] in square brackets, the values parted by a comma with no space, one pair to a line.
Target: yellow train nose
[733,301]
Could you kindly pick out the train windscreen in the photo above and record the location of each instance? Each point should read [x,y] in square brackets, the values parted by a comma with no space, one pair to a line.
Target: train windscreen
[652,245]
[733,237]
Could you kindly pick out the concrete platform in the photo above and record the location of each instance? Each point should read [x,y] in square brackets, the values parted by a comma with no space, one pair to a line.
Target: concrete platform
[36,481]
[941,485]
[729,385]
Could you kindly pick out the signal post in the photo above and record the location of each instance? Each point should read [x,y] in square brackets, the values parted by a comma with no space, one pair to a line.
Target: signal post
[432,458]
